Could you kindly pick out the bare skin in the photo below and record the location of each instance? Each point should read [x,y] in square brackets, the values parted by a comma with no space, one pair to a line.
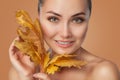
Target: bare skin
[65,26]
[96,69]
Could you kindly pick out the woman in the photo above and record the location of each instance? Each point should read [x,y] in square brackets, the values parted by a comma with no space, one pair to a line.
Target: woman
[64,24]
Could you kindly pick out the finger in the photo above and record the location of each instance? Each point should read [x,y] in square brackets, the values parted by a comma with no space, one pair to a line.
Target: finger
[15,58]
[13,51]
[12,48]
[20,67]
[41,76]
[20,62]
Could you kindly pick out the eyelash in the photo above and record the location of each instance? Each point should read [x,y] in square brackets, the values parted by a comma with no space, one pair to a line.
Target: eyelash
[53,19]
[76,20]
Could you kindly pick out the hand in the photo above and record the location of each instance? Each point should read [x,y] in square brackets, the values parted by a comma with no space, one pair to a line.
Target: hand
[41,76]
[21,62]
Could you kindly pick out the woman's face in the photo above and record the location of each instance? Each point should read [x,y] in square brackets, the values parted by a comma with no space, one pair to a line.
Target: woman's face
[64,23]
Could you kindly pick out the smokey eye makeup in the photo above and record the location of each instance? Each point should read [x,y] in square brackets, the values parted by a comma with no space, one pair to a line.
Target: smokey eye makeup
[74,20]
[53,19]
[78,20]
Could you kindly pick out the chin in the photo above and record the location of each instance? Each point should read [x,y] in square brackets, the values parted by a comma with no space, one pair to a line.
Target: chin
[61,51]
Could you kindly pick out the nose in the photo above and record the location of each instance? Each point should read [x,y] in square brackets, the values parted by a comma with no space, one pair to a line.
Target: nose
[65,31]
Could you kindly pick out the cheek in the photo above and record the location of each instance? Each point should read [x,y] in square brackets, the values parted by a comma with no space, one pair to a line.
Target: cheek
[48,32]
[80,32]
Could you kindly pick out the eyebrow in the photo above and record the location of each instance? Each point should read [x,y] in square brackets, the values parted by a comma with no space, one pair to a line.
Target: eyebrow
[79,13]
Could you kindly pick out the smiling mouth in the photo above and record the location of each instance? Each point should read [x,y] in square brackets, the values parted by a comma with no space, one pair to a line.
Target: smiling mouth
[64,44]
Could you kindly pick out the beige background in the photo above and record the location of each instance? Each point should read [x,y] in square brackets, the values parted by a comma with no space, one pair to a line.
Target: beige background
[103,38]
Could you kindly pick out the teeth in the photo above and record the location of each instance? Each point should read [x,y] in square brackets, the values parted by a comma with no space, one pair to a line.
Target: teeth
[60,42]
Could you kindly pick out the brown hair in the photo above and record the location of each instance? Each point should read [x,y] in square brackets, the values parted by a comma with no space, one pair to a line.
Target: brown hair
[40,3]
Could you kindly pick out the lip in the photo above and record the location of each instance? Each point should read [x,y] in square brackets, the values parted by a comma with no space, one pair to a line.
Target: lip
[67,45]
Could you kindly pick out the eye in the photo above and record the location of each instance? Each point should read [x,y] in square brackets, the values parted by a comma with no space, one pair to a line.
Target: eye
[77,20]
[53,19]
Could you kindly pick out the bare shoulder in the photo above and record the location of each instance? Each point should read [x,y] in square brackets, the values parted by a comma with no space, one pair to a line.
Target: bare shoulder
[105,70]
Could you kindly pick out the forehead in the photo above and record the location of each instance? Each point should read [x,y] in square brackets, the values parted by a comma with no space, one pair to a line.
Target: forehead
[65,6]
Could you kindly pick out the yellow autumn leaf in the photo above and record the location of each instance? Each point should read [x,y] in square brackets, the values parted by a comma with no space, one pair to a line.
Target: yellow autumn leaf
[57,57]
[31,34]
[24,19]
[29,49]
[52,69]
[24,14]
[46,60]
[63,60]
[69,63]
